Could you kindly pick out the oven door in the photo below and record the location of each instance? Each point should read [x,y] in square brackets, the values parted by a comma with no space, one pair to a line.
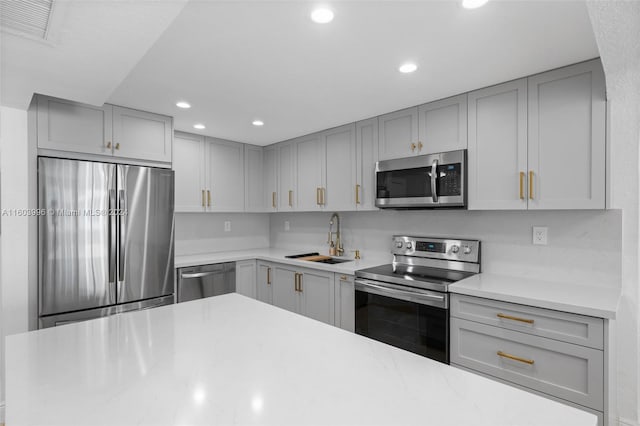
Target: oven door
[411,319]
[424,181]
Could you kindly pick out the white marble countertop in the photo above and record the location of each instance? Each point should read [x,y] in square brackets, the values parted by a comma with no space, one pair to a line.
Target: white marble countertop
[233,360]
[594,301]
[278,255]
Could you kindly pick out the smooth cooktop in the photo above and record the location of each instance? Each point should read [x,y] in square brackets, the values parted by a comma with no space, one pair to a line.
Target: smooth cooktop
[414,276]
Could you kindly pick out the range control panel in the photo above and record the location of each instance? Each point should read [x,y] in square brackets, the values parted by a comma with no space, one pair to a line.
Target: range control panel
[436,248]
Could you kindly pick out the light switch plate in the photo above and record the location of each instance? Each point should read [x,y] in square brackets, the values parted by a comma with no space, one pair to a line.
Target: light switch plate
[227,226]
[540,235]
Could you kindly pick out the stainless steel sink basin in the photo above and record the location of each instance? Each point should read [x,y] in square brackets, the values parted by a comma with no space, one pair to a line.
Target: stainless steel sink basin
[332,261]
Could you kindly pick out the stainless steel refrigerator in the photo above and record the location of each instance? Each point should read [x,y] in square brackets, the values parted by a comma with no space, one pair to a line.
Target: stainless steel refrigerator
[105,239]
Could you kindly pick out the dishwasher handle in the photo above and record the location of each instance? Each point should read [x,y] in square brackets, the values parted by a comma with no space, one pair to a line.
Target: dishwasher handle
[199,274]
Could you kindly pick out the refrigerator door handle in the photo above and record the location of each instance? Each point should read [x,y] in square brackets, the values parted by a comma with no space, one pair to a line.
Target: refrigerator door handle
[112,244]
[122,208]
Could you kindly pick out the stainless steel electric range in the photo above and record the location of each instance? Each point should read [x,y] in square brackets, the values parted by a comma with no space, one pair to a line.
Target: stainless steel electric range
[406,303]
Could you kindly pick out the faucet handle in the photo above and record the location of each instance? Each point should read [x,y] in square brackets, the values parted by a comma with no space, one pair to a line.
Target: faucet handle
[356,254]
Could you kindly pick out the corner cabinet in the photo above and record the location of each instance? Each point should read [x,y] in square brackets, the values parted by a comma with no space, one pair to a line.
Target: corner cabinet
[209,174]
[106,130]
[539,143]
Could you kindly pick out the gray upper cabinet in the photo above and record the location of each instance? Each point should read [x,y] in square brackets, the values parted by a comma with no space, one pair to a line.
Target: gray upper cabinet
[339,169]
[567,112]
[366,158]
[498,147]
[309,154]
[254,200]
[139,134]
[286,171]
[70,126]
[225,170]
[443,125]
[398,134]
[189,167]
[105,130]
[270,178]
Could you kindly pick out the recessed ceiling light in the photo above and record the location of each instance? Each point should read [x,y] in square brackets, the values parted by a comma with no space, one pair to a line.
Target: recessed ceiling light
[407,67]
[183,104]
[258,123]
[198,126]
[322,15]
[473,4]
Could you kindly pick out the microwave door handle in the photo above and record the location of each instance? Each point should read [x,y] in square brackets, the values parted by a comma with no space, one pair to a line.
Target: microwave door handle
[434,174]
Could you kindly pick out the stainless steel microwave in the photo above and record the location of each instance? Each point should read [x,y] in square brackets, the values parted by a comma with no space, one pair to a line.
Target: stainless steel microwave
[423,181]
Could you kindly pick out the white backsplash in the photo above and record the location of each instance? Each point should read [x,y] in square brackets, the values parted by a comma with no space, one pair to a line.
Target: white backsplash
[204,232]
[583,246]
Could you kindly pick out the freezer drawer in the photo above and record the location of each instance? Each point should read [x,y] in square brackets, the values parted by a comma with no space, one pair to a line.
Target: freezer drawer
[198,282]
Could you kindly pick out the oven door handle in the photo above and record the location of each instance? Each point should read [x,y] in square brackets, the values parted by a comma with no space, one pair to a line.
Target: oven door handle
[434,176]
[423,298]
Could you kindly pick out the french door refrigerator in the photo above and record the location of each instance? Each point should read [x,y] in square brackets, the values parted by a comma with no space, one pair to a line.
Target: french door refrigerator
[105,239]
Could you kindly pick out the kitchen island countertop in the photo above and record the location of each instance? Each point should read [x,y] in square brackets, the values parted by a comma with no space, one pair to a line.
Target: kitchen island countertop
[233,360]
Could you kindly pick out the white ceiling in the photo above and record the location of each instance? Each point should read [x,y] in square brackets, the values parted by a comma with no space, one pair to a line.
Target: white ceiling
[236,61]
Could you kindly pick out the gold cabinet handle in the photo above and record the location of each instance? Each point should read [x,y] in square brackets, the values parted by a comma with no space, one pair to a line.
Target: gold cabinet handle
[530,184]
[290,198]
[322,196]
[109,145]
[273,200]
[203,198]
[295,281]
[300,283]
[420,146]
[413,147]
[357,194]
[318,196]
[515,358]
[509,317]
[343,277]
[117,146]
[268,275]
[522,185]
[208,198]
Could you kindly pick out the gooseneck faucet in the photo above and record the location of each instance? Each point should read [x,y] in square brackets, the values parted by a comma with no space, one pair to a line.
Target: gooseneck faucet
[335,249]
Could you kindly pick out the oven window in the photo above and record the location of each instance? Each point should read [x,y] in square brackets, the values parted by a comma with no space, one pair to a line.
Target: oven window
[404,183]
[421,329]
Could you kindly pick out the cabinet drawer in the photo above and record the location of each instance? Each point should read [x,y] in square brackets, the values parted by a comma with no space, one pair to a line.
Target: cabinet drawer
[566,327]
[564,370]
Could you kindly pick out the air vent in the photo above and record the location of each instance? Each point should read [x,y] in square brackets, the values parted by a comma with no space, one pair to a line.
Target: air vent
[26,17]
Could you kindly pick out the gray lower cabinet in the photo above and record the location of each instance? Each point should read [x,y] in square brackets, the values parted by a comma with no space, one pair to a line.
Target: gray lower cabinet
[554,353]
[264,281]
[345,300]
[246,278]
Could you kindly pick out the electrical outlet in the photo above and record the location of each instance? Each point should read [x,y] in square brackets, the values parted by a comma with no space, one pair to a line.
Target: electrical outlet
[227,226]
[286,225]
[540,235]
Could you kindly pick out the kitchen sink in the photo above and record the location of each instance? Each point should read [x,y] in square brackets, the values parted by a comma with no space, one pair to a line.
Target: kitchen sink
[316,257]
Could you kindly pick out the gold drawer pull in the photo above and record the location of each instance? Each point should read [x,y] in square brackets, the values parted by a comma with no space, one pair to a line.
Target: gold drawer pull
[273,200]
[203,198]
[117,146]
[290,198]
[531,185]
[268,275]
[109,145]
[413,147]
[318,196]
[420,146]
[515,358]
[208,198]
[522,185]
[357,194]
[509,317]
[323,195]
[343,277]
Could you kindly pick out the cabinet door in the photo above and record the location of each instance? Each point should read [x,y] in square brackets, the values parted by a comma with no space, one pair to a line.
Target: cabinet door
[71,126]
[443,125]
[226,176]
[254,200]
[398,133]
[264,282]
[498,147]
[366,157]
[340,159]
[270,179]
[286,185]
[142,135]
[345,301]
[246,278]
[285,295]
[188,164]
[567,138]
[308,167]
[317,295]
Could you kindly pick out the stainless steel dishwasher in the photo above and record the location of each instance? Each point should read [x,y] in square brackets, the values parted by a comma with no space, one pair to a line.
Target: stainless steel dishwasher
[197,282]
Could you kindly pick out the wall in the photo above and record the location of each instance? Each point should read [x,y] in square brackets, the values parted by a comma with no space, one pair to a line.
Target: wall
[617,30]
[204,232]
[584,246]
[18,245]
